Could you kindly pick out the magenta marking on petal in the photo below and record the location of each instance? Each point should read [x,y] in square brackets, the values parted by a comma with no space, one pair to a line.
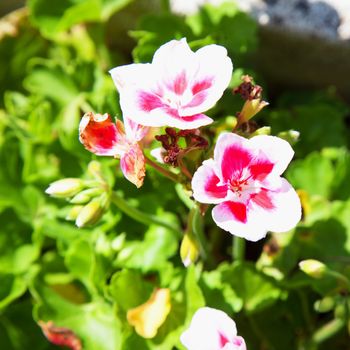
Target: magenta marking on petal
[222,340]
[180,84]
[263,200]
[260,169]
[148,101]
[239,210]
[197,100]
[201,85]
[212,188]
[234,160]
[238,341]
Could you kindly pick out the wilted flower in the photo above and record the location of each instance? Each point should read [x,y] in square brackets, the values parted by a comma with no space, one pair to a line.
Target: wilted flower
[148,317]
[176,88]
[244,180]
[101,136]
[212,329]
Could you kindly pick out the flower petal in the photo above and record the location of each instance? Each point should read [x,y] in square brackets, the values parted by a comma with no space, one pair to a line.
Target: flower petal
[210,329]
[277,150]
[148,317]
[278,211]
[287,208]
[134,132]
[100,135]
[211,79]
[232,155]
[176,65]
[205,184]
[132,75]
[150,110]
[132,164]
[250,224]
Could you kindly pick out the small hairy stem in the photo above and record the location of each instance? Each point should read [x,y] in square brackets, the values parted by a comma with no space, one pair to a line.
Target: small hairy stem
[184,169]
[140,216]
[162,170]
[238,248]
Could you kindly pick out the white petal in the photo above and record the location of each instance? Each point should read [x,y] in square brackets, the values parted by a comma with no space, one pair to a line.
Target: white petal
[278,151]
[173,58]
[287,212]
[216,66]
[203,333]
[252,230]
[135,74]
[204,176]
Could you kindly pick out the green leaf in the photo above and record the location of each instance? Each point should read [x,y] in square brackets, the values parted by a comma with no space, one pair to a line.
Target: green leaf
[129,289]
[61,15]
[150,254]
[53,83]
[11,288]
[257,290]
[94,323]
[313,174]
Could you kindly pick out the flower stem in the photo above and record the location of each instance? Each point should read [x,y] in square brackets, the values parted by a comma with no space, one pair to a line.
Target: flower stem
[140,216]
[238,249]
[197,227]
[162,170]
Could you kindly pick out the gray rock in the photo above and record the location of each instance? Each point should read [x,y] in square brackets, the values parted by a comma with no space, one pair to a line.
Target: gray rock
[303,43]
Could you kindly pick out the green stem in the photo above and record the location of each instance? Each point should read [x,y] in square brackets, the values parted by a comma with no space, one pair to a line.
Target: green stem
[165,6]
[197,227]
[140,216]
[162,170]
[238,249]
[328,331]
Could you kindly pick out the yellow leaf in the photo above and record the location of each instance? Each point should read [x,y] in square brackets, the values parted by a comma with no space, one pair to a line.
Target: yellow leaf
[148,317]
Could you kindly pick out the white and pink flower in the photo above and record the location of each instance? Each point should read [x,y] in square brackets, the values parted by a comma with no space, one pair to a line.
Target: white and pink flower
[212,329]
[101,136]
[176,88]
[244,181]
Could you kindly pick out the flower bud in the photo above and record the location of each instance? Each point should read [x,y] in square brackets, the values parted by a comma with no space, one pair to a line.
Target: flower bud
[90,213]
[84,196]
[291,136]
[250,108]
[325,305]
[74,212]
[189,249]
[265,130]
[64,188]
[313,268]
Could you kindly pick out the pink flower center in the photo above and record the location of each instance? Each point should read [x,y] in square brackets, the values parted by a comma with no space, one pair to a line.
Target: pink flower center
[237,186]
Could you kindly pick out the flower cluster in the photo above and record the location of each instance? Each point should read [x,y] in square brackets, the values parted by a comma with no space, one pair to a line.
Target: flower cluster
[240,174]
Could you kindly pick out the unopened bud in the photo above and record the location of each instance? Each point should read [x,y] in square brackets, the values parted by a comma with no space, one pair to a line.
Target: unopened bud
[325,305]
[84,196]
[250,109]
[265,130]
[90,213]
[74,212]
[313,268]
[291,136]
[189,249]
[65,188]
[95,169]
[118,242]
